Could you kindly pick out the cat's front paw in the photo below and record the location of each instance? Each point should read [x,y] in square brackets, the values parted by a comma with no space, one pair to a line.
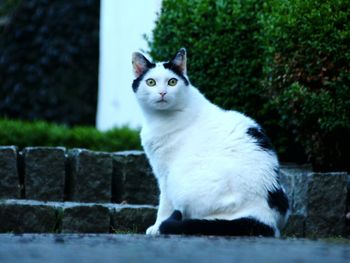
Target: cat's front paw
[153,230]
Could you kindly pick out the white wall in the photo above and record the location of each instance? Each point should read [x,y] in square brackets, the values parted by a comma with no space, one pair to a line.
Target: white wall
[122,25]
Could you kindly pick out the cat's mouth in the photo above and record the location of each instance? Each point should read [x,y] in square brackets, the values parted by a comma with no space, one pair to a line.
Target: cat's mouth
[161,101]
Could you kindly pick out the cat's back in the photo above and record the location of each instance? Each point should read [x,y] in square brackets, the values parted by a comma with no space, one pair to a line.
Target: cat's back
[219,131]
[205,128]
[224,141]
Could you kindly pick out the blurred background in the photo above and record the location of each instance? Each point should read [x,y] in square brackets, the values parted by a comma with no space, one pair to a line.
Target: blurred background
[65,70]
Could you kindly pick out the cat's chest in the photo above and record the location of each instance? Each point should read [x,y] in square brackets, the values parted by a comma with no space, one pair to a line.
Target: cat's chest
[161,151]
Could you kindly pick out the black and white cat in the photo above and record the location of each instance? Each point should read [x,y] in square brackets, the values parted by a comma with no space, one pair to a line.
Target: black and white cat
[216,169]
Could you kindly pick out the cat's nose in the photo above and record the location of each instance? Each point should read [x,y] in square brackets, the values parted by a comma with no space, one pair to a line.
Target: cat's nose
[162,94]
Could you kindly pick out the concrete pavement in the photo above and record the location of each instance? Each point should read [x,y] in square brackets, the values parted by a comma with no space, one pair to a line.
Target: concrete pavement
[85,248]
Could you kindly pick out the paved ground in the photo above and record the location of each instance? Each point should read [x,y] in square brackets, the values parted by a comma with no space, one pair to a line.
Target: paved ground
[139,248]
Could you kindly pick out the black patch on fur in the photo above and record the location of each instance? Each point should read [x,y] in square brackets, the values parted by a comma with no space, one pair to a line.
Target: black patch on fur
[176,70]
[277,199]
[136,82]
[238,227]
[261,138]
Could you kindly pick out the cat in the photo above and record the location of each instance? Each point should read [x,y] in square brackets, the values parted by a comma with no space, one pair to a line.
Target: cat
[217,171]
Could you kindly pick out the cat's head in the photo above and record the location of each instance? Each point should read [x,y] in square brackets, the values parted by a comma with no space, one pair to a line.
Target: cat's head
[162,85]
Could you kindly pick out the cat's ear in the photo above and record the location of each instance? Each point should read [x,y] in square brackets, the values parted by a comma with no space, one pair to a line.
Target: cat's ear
[140,64]
[180,61]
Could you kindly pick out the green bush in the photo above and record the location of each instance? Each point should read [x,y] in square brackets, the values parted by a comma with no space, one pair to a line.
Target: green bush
[285,63]
[49,54]
[222,38]
[40,133]
[225,41]
[308,69]
[7,7]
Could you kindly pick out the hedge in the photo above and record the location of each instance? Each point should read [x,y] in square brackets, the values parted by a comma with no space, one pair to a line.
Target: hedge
[308,64]
[225,57]
[222,39]
[284,63]
[40,133]
[7,7]
[49,55]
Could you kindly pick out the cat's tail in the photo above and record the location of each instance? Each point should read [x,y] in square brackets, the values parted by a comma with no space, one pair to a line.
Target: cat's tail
[237,227]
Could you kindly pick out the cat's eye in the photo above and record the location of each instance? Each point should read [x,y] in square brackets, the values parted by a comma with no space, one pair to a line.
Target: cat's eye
[172,82]
[151,82]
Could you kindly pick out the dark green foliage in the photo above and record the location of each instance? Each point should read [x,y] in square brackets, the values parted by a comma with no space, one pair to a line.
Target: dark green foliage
[49,52]
[226,45]
[222,39]
[7,7]
[308,64]
[285,63]
[39,133]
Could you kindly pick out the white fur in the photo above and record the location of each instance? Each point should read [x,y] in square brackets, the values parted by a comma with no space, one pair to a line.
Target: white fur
[206,165]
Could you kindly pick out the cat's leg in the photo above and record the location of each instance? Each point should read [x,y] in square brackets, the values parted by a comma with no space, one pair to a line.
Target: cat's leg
[164,211]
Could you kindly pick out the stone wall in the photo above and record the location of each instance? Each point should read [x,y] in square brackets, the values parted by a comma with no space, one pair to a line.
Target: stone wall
[77,175]
[319,202]
[52,189]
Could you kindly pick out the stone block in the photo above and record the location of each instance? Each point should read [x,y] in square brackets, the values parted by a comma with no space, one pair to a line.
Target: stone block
[295,181]
[133,180]
[44,173]
[300,193]
[86,219]
[318,197]
[347,216]
[327,194]
[295,226]
[25,218]
[348,198]
[287,181]
[325,226]
[9,177]
[326,204]
[133,219]
[90,176]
